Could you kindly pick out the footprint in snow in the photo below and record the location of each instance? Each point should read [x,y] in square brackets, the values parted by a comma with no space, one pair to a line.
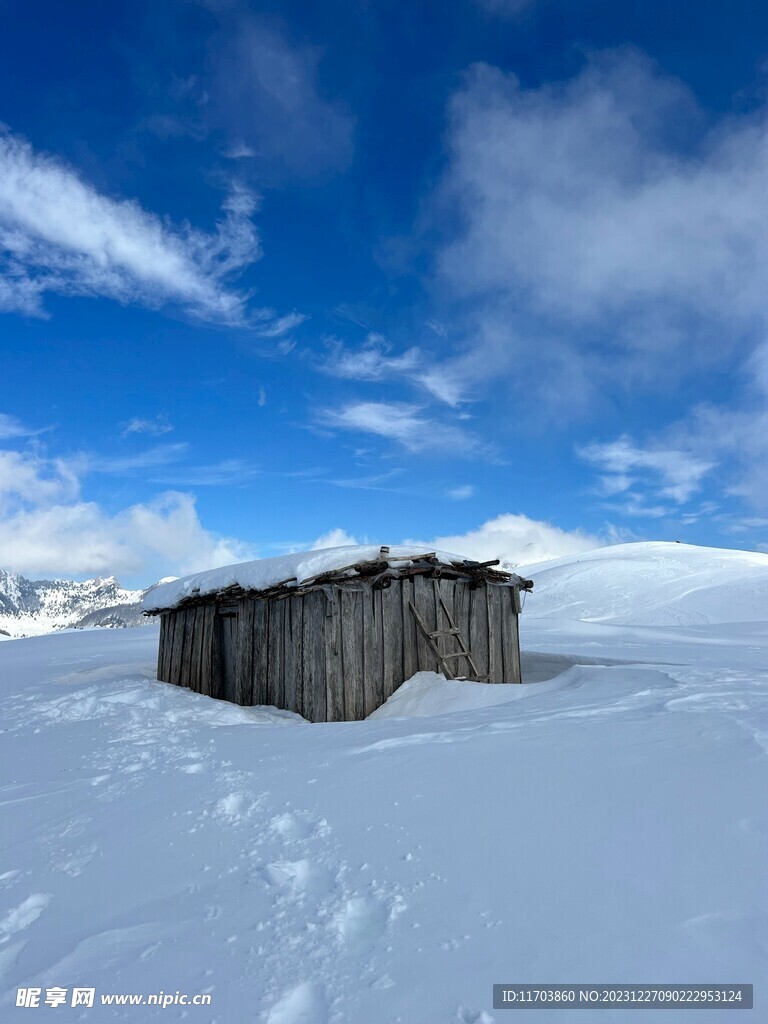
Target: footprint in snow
[24,915]
[304,1004]
[360,923]
[293,827]
[465,1016]
[232,808]
[299,876]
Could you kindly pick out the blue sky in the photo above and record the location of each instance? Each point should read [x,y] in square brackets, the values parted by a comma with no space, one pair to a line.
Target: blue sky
[490,274]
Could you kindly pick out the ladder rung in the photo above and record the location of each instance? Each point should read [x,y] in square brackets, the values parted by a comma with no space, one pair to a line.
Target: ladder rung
[458,654]
[445,632]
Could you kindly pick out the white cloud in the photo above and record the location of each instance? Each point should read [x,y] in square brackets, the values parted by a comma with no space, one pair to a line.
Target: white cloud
[159,425]
[333,539]
[676,473]
[228,472]
[29,478]
[576,194]
[460,493]
[10,426]
[150,458]
[158,538]
[516,540]
[59,234]
[445,382]
[371,362]
[609,232]
[46,527]
[403,423]
[282,325]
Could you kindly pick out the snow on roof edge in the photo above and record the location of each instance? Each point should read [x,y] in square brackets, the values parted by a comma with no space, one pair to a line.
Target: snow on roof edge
[265,573]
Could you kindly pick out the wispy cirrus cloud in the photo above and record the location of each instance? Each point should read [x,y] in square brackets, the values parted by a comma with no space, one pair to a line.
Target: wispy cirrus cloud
[150,458]
[674,473]
[227,472]
[282,325]
[155,427]
[374,361]
[461,493]
[371,362]
[12,427]
[404,423]
[59,234]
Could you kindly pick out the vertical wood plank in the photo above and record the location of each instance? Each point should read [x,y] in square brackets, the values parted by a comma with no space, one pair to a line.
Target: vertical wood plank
[217,667]
[274,624]
[448,644]
[294,690]
[352,653]
[424,600]
[372,665]
[161,645]
[243,653]
[289,679]
[260,651]
[410,639]
[313,656]
[511,637]
[227,635]
[334,668]
[392,646]
[206,651]
[478,629]
[495,656]
[461,618]
[196,649]
[169,647]
[178,649]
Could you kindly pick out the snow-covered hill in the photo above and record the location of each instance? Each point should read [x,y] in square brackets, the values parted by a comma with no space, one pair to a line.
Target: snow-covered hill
[651,584]
[32,607]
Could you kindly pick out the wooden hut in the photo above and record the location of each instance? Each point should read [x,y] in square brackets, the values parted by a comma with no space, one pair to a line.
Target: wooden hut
[331,634]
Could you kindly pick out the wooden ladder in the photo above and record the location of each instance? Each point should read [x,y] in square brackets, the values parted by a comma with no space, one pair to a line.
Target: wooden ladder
[444,657]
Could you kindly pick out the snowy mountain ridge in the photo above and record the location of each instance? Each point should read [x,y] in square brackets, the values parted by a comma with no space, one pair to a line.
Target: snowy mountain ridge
[33,607]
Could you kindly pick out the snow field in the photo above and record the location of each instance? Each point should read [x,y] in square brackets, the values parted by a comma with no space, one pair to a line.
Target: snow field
[606,824]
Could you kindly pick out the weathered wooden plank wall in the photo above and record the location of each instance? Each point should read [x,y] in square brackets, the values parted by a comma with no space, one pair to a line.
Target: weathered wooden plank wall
[338,654]
[334,666]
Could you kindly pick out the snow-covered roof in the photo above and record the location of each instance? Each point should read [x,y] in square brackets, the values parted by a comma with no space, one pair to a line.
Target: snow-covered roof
[308,568]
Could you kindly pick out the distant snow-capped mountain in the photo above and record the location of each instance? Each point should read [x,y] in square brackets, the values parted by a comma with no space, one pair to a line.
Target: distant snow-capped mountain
[34,607]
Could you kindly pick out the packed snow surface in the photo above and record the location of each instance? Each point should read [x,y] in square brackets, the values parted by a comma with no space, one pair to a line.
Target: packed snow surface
[267,572]
[606,823]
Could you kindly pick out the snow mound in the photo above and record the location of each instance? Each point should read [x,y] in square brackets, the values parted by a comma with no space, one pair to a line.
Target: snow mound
[428,693]
[652,584]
